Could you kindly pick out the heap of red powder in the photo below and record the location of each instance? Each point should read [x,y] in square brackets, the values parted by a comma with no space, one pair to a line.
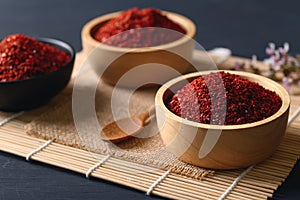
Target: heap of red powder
[23,57]
[217,96]
[137,19]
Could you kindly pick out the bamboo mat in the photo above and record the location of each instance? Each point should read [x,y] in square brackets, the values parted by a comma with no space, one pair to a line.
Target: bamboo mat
[259,182]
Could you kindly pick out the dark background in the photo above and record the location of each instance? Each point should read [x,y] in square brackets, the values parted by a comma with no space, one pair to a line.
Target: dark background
[245,27]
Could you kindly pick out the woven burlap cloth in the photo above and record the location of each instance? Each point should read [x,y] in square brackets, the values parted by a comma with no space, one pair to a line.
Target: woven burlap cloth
[57,124]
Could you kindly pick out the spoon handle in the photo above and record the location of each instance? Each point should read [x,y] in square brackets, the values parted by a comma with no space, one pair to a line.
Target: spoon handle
[145,115]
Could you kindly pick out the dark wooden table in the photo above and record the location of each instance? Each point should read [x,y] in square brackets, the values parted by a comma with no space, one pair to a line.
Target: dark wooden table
[245,27]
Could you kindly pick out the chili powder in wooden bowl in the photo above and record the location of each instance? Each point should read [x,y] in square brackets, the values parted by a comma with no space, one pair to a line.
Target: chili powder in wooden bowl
[119,42]
[226,119]
[32,71]
[237,100]
[134,19]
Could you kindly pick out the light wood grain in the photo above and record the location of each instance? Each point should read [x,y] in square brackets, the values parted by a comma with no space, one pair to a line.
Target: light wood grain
[113,62]
[237,146]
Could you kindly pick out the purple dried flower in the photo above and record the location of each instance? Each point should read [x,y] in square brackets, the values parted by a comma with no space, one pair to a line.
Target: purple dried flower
[285,49]
[272,45]
[269,51]
[276,67]
[276,55]
[287,83]
[272,63]
[281,50]
[282,61]
[239,66]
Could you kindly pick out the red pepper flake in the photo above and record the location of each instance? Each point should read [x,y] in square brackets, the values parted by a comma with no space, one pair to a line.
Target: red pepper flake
[23,57]
[134,20]
[244,101]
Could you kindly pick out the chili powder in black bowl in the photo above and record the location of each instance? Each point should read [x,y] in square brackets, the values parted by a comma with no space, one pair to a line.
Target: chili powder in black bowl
[32,71]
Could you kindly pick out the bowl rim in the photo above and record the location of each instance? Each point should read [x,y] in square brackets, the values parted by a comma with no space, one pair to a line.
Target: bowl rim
[280,91]
[86,33]
[49,41]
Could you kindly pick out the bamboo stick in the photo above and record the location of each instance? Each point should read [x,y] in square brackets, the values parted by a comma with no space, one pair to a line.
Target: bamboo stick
[251,187]
[62,158]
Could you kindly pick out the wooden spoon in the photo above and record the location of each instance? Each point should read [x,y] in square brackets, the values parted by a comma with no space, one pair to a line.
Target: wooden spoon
[125,128]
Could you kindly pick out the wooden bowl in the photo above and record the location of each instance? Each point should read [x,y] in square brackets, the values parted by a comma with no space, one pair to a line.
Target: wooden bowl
[215,146]
[112,62]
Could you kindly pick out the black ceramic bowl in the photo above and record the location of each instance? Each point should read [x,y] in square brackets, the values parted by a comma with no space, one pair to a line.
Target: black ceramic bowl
[34,92]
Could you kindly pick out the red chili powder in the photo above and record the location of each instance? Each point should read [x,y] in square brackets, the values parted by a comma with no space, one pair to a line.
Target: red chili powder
[244,101]
[23,57]
[137,19]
